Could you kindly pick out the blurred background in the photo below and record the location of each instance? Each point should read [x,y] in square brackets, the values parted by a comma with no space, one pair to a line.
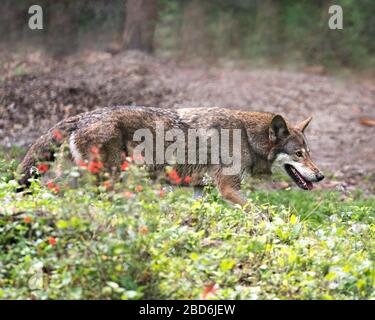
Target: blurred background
[265,55]
[259,31]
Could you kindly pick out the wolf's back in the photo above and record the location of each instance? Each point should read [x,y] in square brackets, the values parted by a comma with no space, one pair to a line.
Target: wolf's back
[95,127]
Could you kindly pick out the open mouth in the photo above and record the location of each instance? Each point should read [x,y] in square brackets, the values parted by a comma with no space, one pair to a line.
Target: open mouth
[298,178]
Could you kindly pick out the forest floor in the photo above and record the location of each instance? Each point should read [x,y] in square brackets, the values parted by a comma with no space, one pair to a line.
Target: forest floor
[37,91]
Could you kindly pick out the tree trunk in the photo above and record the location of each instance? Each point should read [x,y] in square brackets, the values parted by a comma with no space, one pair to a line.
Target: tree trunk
[194,37]
[61,26]
[140,22]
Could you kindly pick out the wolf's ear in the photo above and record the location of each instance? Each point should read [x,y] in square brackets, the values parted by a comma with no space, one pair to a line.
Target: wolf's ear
[278,129]
[303,125]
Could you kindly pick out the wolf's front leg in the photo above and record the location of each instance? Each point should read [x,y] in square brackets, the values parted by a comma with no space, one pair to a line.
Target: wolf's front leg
[230,188]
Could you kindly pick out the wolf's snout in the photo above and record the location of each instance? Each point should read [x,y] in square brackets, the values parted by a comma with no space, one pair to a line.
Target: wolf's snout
[319,176]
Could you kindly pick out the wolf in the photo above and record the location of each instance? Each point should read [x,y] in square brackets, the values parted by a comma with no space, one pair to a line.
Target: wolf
[267,141]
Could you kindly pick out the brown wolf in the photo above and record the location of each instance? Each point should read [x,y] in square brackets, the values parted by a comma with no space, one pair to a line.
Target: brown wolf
[266,140]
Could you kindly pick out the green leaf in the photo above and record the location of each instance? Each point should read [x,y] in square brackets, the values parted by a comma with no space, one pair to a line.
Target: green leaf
[293,219]
[226,265]
[194,256]
[62,224]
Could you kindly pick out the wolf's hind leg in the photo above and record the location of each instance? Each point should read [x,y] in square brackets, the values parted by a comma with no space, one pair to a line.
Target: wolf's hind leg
[62,164]
[111,156]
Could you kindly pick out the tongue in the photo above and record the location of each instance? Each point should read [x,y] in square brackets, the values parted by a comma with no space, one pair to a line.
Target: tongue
[309,185]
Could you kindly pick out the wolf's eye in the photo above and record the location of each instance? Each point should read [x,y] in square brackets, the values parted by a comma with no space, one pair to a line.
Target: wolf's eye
[299,154]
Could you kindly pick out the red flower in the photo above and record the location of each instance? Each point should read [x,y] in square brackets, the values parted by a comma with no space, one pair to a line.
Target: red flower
[143,229]
[106,184]
[187,179]
[178,180]
[53,187]
[94,150]
[52,241]
[139,188]
[161,193]
[42,168]
[173,174]
[82,164]
[94,166]
[128,194]
[93,169]
[27,219]
[209,292]
[57,135]
[124,166]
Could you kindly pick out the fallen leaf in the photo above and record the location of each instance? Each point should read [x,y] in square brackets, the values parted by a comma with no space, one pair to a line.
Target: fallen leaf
[367,122]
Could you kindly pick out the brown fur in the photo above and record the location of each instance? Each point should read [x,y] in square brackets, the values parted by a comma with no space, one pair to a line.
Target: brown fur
[264,136]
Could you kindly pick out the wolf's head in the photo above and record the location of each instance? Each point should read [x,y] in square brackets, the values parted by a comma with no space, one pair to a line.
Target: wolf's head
[291,152]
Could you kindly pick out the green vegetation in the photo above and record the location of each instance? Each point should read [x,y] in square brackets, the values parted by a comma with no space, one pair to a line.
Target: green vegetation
[260,32]
[270,32]
[132,239]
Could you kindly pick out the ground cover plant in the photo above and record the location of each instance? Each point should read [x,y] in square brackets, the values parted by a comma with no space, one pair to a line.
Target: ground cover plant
[135,239]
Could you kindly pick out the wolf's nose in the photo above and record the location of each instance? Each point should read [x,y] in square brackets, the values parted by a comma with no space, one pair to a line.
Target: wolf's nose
[319,176]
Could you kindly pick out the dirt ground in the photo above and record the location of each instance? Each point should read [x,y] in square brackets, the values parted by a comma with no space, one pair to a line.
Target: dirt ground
[36,92]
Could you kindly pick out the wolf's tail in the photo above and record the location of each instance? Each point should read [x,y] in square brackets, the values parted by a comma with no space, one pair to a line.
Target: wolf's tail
[44,150]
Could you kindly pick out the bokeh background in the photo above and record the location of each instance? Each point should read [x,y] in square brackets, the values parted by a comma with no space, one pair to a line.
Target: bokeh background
[259,31]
